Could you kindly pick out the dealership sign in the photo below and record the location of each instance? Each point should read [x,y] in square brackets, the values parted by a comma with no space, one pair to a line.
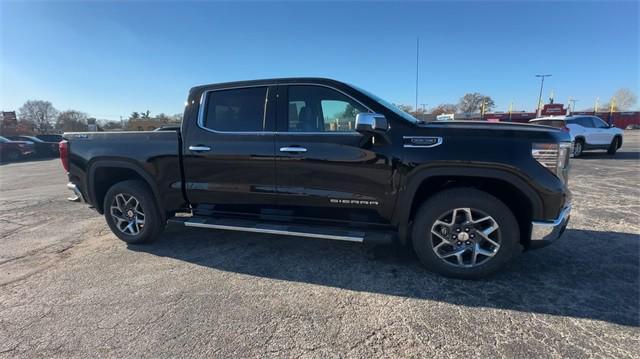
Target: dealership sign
[553,109]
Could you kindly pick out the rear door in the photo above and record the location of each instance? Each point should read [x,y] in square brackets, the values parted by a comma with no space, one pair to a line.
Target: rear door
[229,162]
[583,126]
[325,169]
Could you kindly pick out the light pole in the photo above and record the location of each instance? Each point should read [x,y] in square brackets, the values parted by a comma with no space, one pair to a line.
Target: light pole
[572,106]
[540,96]
[424,107]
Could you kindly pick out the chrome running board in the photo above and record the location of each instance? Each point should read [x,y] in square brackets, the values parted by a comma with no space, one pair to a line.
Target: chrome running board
[283,229]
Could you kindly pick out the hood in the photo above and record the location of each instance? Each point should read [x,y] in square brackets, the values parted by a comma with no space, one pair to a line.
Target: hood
[496,129]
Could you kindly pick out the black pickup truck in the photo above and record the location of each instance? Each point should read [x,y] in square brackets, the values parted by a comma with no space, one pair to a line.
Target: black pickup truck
[312,157]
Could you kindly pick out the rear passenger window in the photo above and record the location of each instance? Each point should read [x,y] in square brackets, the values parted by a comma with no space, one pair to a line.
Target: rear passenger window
[237,110]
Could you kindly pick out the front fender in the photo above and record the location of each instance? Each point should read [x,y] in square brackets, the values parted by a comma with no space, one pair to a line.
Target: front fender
[412,182]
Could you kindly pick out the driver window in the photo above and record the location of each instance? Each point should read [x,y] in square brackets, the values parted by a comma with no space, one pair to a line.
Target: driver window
[321,109]
[599,123]
[585,122]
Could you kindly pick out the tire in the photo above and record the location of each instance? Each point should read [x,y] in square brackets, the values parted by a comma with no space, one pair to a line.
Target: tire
[578,147]
[124,219]
[613,147]
[481,204]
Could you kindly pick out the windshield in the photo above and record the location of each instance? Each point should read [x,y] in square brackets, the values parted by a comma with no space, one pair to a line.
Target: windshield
[388,105]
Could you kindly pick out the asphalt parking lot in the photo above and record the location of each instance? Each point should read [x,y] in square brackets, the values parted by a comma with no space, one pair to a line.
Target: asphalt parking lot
[69,288]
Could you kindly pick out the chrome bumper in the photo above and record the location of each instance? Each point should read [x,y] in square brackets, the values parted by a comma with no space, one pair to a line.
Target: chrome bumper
[545,232]
[77,194]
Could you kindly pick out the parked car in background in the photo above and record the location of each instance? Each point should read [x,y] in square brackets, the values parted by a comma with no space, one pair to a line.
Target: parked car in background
[557,122]
[50,138]
[587,132]
[43,149]
[14,150]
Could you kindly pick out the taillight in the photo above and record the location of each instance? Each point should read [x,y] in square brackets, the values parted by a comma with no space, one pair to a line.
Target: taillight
[64,154]
[565,129]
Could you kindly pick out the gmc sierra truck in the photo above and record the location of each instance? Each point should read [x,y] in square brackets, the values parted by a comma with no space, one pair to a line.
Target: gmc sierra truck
[312,157]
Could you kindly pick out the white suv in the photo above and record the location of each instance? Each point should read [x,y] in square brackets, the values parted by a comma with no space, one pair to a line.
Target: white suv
[587,132]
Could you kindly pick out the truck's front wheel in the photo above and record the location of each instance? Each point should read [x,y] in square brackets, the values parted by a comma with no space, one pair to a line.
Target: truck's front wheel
[465,233]
[131,212]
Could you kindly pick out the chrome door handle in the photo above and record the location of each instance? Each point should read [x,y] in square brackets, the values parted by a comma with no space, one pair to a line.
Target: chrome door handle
[293,149]
[199,148]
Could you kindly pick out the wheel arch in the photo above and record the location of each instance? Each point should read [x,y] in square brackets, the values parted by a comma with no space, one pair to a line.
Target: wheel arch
[512,190]
[104,173]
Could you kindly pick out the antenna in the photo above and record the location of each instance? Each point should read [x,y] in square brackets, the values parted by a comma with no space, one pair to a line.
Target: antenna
[417,62]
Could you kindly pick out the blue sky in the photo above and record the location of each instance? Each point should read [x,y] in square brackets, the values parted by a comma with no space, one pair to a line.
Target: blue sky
[112,58]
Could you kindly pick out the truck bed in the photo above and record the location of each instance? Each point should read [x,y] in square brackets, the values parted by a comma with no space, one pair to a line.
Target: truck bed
[154,156]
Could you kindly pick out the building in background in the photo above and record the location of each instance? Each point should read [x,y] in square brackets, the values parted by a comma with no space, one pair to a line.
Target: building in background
[8,123]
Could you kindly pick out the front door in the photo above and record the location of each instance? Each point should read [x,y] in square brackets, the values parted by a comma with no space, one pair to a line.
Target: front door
[604,135]
[325,169]
[229,159]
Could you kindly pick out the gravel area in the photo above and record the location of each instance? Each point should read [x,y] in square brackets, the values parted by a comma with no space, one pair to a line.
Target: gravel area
[69,288]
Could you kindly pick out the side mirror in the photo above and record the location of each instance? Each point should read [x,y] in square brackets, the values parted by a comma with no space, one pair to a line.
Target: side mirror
[371,122]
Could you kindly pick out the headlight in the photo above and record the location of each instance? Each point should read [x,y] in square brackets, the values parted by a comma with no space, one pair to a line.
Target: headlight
[553,156]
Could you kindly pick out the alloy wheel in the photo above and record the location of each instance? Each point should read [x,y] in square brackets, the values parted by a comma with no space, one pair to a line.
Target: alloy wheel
[127,214]
[577,149]
[465,237]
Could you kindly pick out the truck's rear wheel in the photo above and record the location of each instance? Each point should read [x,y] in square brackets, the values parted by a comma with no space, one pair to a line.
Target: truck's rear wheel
[131,212]
[465,233]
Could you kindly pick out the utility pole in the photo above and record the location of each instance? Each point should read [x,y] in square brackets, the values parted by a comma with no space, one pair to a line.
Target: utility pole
[417,62]
[540,95]
[510,110]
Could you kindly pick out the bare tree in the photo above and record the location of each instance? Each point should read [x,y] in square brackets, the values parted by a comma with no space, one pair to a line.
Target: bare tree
[624,99]
[444,108]
[41,113]
[472,102]
[107,125]
[72,120]
[405,108]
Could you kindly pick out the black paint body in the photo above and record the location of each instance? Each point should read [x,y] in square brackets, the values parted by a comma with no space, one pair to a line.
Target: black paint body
[344,178]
